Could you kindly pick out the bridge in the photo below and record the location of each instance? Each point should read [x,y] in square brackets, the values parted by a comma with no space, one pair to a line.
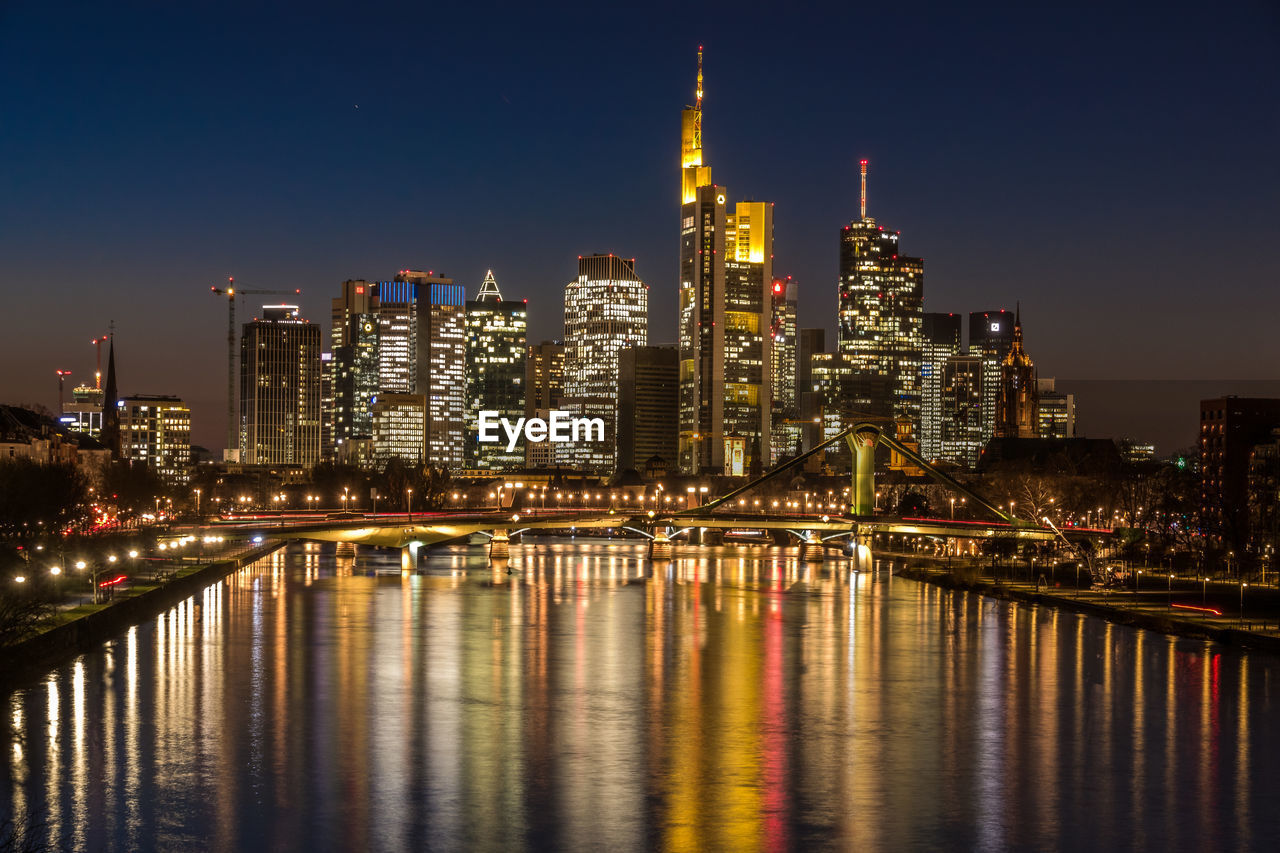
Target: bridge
[852,531]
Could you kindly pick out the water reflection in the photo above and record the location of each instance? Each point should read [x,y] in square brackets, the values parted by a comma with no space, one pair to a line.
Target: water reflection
[578,696]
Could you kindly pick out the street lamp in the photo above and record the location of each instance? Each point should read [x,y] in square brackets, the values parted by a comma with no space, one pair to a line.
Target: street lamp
[409,493]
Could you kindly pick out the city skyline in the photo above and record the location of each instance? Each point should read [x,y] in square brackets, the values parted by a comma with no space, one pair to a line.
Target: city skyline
[161,270]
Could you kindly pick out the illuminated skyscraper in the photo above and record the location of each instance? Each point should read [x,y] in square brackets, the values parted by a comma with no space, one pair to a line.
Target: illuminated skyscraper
[941,342]
[725,321]
[280,389]
[422,342]
[962,432]
[881,310]
[990,336]
[497,335]
[353,364]
[785,405]
[606,309]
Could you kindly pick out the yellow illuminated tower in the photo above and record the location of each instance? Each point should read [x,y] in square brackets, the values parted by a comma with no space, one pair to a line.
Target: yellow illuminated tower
[726,270]
[693,173]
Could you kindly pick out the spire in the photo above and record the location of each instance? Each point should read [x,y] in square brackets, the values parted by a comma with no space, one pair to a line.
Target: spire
[864,189]
[110,398]
[698,103]
[489,289]
[697,106]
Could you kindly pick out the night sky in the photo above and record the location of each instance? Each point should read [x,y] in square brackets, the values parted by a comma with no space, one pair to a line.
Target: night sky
[1114,169]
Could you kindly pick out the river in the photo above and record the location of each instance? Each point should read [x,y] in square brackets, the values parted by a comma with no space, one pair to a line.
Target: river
[582,698]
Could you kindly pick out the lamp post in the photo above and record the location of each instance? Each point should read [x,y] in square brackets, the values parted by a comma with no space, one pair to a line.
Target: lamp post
[197,503]
[1242,586]
[409,495]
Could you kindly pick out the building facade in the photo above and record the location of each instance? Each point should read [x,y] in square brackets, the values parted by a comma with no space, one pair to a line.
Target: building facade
[83,412]
[497,340]
[963,431]
[399,426]
[422,342]
[1230,429]
[941,342]
[990,336]
[156,430]
[881,311]
[648,393]
[1056,411]
[280,389]
[725,317]
[606,310]
[353,367]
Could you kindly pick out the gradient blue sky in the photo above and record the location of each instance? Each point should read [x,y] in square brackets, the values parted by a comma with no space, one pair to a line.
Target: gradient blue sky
[1112,166]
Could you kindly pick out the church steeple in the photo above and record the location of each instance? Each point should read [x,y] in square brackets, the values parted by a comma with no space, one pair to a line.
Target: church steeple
[110,435]
[1018,402]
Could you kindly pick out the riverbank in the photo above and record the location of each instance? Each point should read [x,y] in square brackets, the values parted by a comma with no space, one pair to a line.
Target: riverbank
[1152,610]
[77,631]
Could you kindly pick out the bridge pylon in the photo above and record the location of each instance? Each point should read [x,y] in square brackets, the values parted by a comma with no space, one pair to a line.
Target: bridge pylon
[812,549]
[500,545]
[409,558]
[660,545]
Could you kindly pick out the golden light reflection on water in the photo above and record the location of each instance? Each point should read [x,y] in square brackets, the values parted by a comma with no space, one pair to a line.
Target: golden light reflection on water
[580,697]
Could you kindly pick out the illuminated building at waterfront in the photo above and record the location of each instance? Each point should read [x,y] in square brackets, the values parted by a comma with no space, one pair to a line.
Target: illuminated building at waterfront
[422,342]
[497,337]
[962,431]
[399,423]
[156,430]
[725,316]
[941,342]
[881,310]
[606,309]
[280,389]
[990,337]
[352,369]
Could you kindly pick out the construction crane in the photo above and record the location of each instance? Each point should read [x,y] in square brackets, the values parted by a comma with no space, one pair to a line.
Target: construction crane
[62,377]
[97,374]
[230,292]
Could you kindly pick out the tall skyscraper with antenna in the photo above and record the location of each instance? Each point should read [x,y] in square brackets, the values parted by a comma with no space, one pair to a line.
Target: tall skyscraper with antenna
[725,319]
[881,312]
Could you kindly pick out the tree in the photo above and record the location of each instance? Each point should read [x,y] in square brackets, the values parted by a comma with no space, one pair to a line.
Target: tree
[24,608]
[131,485]
[36,498]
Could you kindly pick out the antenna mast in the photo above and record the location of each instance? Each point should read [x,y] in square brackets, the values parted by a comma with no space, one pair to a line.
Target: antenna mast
[864,189]
[697,106]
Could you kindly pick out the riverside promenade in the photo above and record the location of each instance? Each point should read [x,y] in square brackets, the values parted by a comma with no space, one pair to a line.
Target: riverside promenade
[1240,614]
